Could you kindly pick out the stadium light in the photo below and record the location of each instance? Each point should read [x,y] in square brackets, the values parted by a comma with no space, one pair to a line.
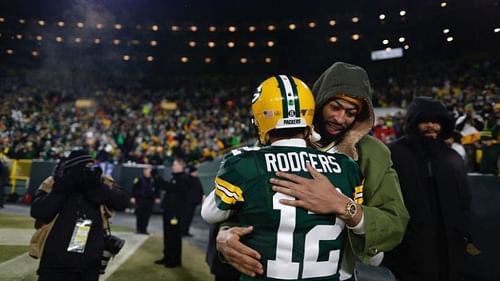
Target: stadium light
[2,19]
[118,26]
[292,26]
[251,44]
[211,44]
[59,39]
[333,39]
[153,43]
[192,44]
[150,58]
[155,27]
[271,27]
[126,58]
[39,38]
[385,41]
[41,23]
[381,17]
[19,36]
[355,19]
[60,23]
[212,28]
[270,44]
[174,28]
[402,13]
[332,22]
[80,25]
[34,53]
[446,31]
[232,28]
[9,51]
[208,60]
[355,37]
[230,44]
[243,60]
[449,38]
[443,4]
[184,59]
[268,60]
[99,26]
[401,39]
[97,41]
[22,21]
[251,28]
[193,28]
[116,42]
[78,40]
[311,24]
[496,30]
[406,47]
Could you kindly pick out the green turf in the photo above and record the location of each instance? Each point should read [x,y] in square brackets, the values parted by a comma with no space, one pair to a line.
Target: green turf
[140,265]
[8,252]
[16,221]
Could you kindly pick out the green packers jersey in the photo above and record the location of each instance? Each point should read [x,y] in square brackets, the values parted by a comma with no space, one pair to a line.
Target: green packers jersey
[295,244]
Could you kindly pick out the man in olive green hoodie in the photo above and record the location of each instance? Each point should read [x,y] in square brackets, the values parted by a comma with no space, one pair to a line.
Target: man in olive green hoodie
[344,116]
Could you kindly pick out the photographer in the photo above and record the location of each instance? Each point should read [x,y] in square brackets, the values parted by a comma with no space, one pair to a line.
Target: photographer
[74,247]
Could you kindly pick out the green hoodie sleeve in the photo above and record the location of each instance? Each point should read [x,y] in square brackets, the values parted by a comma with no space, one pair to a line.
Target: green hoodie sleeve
[385,214]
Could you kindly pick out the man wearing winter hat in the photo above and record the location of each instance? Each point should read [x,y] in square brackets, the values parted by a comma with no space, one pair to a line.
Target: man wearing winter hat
[436,191]
[73,199]
[344,117]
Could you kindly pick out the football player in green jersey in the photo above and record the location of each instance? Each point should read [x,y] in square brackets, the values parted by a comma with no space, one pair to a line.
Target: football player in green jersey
[294,244]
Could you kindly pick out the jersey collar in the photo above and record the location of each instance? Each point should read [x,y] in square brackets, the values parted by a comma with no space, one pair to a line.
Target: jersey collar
[290,142]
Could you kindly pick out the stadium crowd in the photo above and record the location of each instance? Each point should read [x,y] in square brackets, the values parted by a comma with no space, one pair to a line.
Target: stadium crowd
[197,119]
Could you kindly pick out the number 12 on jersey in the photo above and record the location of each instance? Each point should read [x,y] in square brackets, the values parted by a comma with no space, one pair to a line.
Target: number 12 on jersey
[283,267]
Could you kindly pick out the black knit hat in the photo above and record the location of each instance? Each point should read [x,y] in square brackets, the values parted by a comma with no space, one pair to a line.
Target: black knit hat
[78,158]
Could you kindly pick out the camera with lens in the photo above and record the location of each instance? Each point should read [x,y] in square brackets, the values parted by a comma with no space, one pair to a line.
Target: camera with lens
[112,245]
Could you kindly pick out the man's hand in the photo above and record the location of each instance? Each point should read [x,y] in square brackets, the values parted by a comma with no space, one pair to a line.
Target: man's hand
[241,257]
[317,194]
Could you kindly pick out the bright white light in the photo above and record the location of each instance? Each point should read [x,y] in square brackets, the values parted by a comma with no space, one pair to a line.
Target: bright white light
[271,27]
[270,44]
[19,36]
[311,24]
[355,37]
[251,28]
[59,39]
[174,28]
[184,59]
[193,28]
[332,22]
[402,13]
[41,23]
[60,23]
[243,60]
[126,57]
[97,41]
[407,47]
[150,58]
[496,30]
[232,29]
[34,53]
[192,44]
[230,44]
[211,44]
[388,49]
[251,44]
[355,19]
[39,38]
[268,60]
[116,42]
[449,38]
[208,60]
[118,26]
[212,29]
[9,51]
[99,26]
[385,41]
[443,4]
[401,39]
[154,43]
[446,30]
[292,26]
[2,19]
[78,40]
[381,17]
[155,27]
[333,39]
[80,25]
[22,21]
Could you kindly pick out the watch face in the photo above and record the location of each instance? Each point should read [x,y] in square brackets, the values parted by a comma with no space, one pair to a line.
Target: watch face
[352,209]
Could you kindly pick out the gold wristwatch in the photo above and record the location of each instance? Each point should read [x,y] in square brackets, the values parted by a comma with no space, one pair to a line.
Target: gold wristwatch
[351,209]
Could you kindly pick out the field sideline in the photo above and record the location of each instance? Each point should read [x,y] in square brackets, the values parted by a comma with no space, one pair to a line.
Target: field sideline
[135,261]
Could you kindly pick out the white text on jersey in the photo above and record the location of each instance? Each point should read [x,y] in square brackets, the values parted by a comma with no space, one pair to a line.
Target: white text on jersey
[296,161]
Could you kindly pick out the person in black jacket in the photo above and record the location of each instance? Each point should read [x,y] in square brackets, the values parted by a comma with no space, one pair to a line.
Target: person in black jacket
[436,192]
[194,197]
[76,199]
[144,196]
[172,204]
